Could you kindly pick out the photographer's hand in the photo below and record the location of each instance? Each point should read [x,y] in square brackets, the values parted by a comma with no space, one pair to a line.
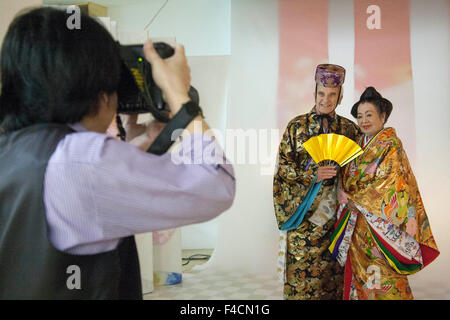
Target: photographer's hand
[172,75]
[141,135]
[132,128]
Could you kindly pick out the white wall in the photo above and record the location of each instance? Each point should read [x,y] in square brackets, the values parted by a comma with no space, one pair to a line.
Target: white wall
[202,26]
[248,235]
[8,9]
[341,48]
[430,61]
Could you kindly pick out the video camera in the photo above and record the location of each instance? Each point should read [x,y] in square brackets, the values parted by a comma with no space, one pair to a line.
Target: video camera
[138,92]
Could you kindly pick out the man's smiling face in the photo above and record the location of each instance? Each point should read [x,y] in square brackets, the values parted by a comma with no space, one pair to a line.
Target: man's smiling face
[327,99]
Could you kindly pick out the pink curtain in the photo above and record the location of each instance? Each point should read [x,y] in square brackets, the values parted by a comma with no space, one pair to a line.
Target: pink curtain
[303,44]
[383,60]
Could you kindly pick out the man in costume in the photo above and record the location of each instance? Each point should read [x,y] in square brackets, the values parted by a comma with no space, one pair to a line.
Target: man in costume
[309,271]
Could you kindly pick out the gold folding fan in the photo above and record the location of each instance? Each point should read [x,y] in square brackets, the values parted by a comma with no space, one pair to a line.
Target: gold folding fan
[334,147]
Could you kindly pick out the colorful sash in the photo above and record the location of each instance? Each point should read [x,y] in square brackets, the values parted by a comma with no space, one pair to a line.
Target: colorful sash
[395,260]
[342,236]
[401,251]
[293,222]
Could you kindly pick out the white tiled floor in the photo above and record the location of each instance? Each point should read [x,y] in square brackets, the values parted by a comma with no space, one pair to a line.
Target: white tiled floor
[199,283]
[213,285]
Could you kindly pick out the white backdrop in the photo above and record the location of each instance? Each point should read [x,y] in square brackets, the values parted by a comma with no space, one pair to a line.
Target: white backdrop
[430,62]
[247,233]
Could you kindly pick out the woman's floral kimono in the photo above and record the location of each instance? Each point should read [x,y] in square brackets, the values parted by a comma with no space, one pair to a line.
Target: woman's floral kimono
[385,235]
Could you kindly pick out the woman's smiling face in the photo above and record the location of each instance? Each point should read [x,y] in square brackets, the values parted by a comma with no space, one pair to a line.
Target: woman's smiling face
[369,120]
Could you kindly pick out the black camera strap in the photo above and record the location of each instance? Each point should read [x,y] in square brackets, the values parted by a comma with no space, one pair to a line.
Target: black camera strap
[182,118]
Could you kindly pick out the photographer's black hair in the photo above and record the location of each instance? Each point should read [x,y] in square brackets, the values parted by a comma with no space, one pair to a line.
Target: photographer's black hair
[373,96]
[50,73]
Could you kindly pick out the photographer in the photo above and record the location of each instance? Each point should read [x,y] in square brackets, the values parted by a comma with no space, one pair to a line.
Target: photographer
[71,197]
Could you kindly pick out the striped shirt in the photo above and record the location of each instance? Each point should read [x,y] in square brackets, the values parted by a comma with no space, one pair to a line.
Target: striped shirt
[98,190]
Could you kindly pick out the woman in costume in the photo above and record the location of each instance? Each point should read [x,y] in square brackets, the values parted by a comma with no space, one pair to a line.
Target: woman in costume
[383,233]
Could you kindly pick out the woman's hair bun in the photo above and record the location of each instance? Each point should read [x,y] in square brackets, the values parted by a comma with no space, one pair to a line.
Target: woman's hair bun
[373,96]
[385,106]
[370,94]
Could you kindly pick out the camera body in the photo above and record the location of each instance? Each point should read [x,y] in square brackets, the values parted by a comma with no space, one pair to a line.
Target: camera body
[138,92]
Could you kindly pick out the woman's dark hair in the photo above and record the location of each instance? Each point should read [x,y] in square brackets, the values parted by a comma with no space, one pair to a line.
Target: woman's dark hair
[51,73]
[374,97]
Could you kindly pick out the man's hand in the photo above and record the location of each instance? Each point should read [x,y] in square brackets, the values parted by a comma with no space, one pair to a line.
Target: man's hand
[172,75]
[326,172]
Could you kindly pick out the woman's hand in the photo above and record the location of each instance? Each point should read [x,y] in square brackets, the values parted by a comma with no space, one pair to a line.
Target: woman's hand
[351,206]
[342,196]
